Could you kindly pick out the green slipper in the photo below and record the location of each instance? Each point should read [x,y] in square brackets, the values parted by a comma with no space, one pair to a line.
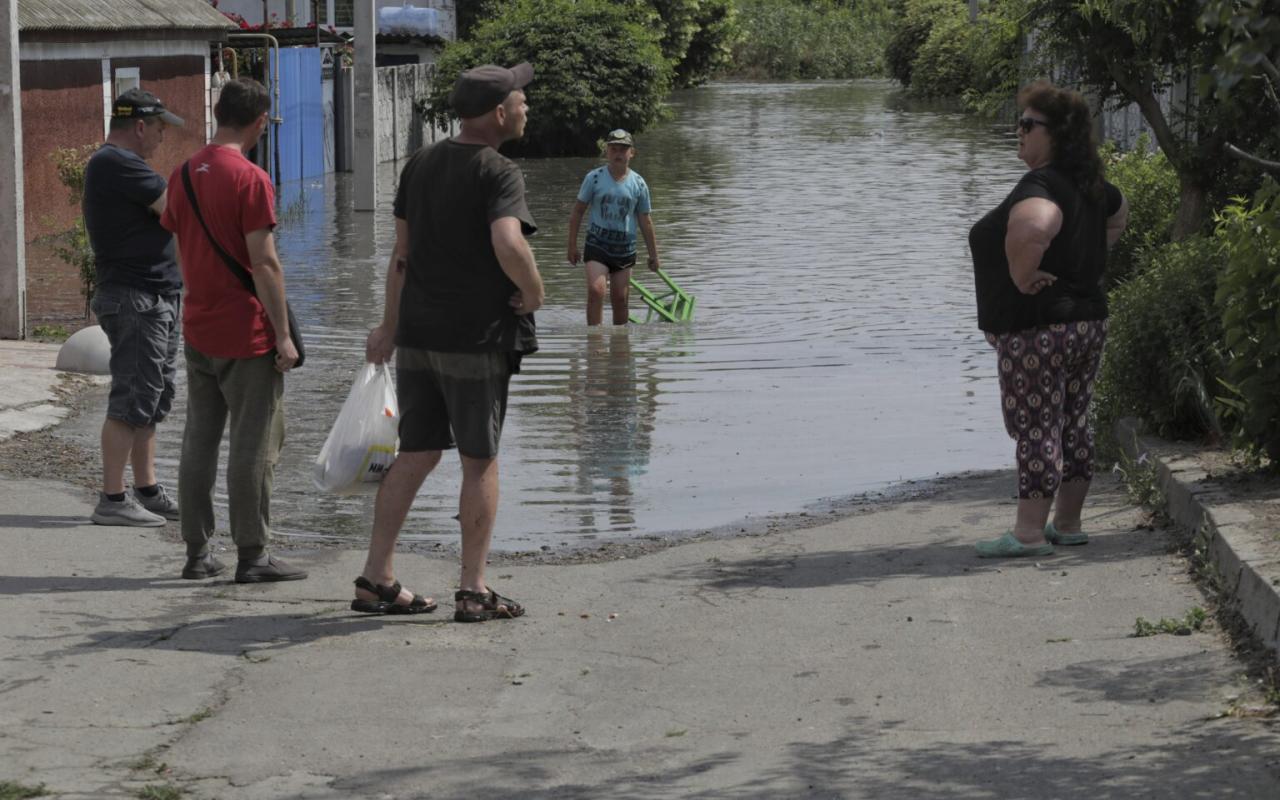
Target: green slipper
[1066,539]
[1009,547]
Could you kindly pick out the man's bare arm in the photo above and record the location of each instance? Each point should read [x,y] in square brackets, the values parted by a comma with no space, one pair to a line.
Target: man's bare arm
[158,206]
[516,259]
[268,281]
[382,339]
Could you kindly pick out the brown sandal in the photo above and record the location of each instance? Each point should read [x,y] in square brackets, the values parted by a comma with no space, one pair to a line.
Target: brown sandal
[386,602]
[492,606]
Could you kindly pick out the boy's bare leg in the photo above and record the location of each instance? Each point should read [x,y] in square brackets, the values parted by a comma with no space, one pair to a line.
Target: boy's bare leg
[395,496]
[619,288]
[597,287]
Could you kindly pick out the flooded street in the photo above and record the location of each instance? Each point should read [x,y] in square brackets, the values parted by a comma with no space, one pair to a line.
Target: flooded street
[834,350]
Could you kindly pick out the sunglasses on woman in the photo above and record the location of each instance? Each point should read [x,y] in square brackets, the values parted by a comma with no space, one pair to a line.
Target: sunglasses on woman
[1026,124]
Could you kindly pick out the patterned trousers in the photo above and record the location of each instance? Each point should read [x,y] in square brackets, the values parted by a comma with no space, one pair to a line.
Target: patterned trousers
[1046,384]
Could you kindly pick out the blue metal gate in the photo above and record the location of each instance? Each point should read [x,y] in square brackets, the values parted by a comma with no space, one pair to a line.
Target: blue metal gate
[301,134]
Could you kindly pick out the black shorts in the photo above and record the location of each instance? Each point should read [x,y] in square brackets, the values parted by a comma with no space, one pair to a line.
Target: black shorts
[448,396]
[614,263]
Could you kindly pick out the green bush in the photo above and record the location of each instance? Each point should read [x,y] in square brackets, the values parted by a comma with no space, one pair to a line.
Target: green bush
[698,37]
[1249,299]
[1150,184]
[998,65]
[711,48]
[910,27]
[788,40]
[944,64]
[1163,355]
[597,65]
[72,245]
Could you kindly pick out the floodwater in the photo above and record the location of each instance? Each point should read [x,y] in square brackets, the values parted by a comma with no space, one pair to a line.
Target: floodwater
[822,228]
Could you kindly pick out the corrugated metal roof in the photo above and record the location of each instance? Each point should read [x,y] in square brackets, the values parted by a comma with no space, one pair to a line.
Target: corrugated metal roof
[118,15]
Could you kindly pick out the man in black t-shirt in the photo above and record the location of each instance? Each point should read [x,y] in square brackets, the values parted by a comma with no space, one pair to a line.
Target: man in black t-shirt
[461,291]
[136,299]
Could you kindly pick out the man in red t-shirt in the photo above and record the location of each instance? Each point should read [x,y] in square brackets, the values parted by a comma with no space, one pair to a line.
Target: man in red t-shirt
[238,345]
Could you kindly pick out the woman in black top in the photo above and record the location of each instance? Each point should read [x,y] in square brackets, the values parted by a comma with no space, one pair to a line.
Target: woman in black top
[1038,260]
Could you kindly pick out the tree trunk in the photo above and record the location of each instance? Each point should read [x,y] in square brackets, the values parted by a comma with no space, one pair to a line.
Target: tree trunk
[1191,192]
[1191,208]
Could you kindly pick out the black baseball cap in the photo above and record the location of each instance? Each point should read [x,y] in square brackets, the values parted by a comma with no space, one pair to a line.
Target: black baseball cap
[141,104]
[482,89]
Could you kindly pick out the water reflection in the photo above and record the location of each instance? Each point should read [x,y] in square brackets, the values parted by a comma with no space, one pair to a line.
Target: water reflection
[612,422]
[822,228]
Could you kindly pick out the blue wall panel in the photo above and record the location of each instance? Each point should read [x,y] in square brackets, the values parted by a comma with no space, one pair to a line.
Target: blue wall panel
[311,88]
[301,134]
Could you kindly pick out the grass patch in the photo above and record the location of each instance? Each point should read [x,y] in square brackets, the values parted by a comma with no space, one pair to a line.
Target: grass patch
[160,792]
[1193,620]
[199,716]
[16,791]
[50,333]
[672,734]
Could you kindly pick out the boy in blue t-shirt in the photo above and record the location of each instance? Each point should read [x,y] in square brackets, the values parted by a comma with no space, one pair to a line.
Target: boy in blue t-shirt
[619,203]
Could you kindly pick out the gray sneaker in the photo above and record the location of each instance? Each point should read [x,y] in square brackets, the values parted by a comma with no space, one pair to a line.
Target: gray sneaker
[124,512]
[161,503]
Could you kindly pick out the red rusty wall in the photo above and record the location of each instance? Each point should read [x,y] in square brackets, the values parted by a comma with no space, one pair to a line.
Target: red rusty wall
[179,83]
[62,107]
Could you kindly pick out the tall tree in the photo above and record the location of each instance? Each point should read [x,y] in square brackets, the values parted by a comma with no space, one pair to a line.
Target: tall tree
[1248,37]
[1134,49]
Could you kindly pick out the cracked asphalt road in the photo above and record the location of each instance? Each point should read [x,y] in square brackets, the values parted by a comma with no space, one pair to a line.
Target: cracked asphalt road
[871,656]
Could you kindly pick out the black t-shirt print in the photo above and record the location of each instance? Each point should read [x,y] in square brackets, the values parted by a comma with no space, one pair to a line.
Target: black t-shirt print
[130,246]
[456,296]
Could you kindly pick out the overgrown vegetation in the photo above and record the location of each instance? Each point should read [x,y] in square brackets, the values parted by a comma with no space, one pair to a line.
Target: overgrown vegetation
[1151,186]
[598,65]
[50,333]
[602,64]
[1163,356]
[790,39]
[1248,297]
[72,245]
[1193,620]
[17,791]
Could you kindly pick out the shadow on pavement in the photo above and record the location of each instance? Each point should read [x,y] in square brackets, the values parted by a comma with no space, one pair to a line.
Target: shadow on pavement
[226,635]
[44,521]
[870,566]
[1219,760]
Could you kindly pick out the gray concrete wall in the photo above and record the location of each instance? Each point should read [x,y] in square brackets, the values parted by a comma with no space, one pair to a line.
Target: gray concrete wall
[402,93]
[13,259]
[366,122]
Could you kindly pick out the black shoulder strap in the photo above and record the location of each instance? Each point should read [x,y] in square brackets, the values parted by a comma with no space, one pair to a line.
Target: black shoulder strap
[233,265]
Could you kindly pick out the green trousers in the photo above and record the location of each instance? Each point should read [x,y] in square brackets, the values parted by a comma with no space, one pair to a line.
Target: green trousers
[250,392]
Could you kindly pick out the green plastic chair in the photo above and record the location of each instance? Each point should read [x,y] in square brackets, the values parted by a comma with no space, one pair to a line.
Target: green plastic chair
[674,305]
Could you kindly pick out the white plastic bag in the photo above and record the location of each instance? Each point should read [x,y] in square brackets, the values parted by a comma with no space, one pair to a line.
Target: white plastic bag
[362,444]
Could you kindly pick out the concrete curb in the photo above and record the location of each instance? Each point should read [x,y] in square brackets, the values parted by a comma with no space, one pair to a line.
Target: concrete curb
[1234,541]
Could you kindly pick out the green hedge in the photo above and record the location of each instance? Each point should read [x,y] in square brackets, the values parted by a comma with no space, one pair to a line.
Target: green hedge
[944,64]
[597,64]
[1164,353]
[1249,299]
[1150,185]
[788,40]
